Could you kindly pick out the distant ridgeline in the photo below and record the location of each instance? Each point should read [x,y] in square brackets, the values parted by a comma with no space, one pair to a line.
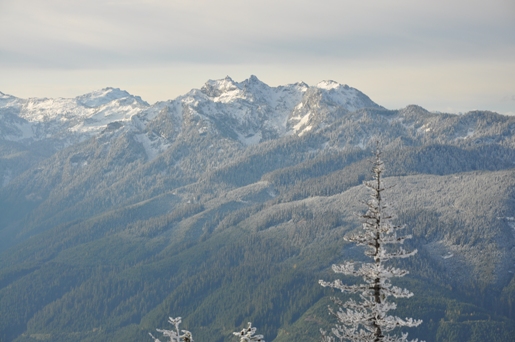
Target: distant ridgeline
[226,205]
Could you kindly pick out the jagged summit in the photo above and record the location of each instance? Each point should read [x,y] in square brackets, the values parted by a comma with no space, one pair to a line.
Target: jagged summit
[227,90]
[215,88]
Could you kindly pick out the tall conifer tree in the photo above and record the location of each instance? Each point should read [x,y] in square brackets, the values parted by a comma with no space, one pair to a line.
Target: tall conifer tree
[367,320]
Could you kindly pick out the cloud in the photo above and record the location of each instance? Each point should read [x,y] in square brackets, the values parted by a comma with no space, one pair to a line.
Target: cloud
[452,54]
[95,33]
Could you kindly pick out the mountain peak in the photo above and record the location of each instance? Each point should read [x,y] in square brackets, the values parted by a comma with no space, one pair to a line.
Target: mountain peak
[100,97]
[254,84]
[215,88]
[253,79]
[6,96]
[8,100]
[412,108]
[330,84]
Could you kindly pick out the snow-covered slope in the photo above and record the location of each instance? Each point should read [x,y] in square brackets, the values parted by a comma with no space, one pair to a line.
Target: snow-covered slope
[66,121]
[252,110]
[324,103]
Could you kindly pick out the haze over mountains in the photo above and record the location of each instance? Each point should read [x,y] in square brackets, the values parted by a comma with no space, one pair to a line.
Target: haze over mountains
[228,203]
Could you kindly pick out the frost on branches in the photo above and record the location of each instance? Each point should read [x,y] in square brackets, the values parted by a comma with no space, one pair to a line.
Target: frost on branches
[367,320]
[247,335]
[174,335]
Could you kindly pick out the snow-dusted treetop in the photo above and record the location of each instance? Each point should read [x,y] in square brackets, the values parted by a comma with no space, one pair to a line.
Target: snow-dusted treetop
[247,334]
[174,335]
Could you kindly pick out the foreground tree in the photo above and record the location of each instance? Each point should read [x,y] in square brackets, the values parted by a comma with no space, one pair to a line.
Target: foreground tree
[247,335]
[174,335]
[367,320]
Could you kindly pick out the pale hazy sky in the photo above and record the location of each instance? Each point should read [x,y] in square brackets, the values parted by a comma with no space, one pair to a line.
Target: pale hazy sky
[445,55]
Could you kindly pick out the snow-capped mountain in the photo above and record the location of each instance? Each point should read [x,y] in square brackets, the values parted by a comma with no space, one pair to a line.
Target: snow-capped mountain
[66,121]
[249,111]
[260,112]
[224,112]
[255,110]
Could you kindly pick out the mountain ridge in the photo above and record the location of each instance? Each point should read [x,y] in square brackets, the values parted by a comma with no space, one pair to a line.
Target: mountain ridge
[228,203]
[96,110]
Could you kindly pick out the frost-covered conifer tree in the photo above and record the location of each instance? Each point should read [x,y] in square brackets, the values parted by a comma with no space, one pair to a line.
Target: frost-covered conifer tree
[174,336]
[367,319]
[247,335]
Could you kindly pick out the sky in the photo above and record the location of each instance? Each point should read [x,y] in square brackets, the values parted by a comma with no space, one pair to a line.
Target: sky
[448,56]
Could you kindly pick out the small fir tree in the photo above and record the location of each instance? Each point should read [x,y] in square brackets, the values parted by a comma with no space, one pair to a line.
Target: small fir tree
[247,335]
[367,320]
[174,335]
